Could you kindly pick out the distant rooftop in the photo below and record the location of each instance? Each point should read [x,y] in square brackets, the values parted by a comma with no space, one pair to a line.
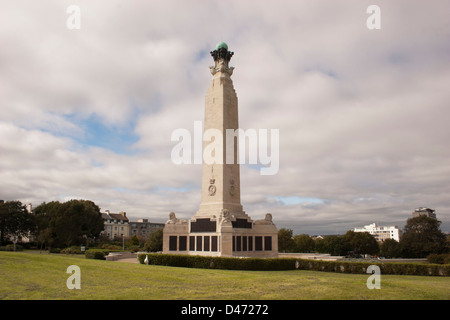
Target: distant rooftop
[423,209]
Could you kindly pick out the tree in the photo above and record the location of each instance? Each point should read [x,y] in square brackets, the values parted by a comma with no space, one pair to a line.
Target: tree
[69,223]
[134,241]
[154,242]
[422,236]
[390,248]
[361,242]
[285,240]
[303,243]
[45,212]
[334,245]
[15,221]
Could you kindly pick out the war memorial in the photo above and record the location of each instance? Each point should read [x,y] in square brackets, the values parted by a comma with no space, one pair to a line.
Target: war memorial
[221,227]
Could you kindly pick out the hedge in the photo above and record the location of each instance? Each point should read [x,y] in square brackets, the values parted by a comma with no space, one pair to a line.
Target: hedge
[10,247]
[271,264]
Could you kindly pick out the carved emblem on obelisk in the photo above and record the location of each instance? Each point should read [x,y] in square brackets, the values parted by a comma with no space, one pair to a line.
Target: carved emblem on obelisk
[212,187]
[232,188]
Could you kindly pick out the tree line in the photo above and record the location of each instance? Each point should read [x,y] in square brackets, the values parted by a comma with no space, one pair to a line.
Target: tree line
[56,225]
[421,237]
[74,222]
[79,222]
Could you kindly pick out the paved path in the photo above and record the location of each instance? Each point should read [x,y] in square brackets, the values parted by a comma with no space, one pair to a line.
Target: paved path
[130,260]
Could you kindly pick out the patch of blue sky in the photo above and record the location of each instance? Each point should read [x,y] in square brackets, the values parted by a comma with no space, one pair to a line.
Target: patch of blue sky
[292,200]
[96,133]
[163,189]
[326,71]
[200,55]
[398,58]
[253,166]
[96,164]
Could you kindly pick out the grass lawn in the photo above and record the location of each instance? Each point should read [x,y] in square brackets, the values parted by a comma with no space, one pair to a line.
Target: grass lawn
[25,275]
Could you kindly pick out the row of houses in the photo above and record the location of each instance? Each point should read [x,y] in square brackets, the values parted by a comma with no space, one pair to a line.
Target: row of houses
[117,225]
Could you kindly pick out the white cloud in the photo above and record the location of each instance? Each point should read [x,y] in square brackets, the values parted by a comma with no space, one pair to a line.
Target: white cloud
[362,113]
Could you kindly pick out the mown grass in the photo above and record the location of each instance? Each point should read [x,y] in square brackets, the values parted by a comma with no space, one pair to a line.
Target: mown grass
[33,276]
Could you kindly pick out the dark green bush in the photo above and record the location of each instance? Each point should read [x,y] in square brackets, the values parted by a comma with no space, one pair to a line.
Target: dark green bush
[443,258]
[98,254]
[270,264]
[72,250]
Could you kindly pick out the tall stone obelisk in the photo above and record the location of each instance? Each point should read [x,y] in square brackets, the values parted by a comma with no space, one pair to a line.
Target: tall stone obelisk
[221,180]
[220,227]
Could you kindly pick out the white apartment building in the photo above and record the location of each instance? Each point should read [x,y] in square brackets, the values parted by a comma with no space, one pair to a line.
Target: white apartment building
[381,233]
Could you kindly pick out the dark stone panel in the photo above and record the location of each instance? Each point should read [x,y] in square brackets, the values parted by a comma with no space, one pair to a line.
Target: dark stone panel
[206,243]
[173,243]
[191,243]
[214,243]
[182,243]
[258,243]
[241,223]
[244,243]
[199,243]
[238,243]
[250,243]
[268,243]
[203,225]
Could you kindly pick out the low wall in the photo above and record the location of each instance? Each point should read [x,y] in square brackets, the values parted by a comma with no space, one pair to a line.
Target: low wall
[114,256]
[311,256]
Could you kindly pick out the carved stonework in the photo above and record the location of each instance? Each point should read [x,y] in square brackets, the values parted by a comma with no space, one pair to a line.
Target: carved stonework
[174,220]
[221,68]
[221,58]
[225,217]
[222,54]
[266,220]
[212,190]
[232,188]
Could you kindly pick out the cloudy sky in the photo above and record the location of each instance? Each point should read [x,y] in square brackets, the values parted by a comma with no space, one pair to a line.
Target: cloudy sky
[363,114]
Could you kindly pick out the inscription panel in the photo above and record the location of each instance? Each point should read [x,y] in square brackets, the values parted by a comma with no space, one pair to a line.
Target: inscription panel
[241,223]
[203,225]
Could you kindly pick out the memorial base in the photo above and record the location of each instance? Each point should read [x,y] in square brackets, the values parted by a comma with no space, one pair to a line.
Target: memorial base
[223,236]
